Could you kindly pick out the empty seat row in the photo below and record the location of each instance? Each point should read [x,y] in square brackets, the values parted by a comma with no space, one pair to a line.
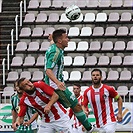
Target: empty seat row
[76,31]
[80,46]
[77,61]
[124,75]
[84,3]
[98,46]
[88,17]
[35,76]
[32,46]
[110,76]
[101,61]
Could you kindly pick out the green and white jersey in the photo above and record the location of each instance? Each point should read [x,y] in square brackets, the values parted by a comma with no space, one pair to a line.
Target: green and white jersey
[54,60]
[30,111]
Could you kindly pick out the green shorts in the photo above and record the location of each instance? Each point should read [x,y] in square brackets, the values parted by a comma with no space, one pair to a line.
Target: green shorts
[67,98]
[27,131]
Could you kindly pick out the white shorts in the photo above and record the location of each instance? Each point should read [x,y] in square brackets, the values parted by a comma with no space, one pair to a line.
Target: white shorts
[108,128]
[78,130]
[62,125]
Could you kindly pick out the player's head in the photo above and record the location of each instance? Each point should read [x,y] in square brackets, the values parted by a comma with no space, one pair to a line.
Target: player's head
[16,87]
[27,86]
[77,89]
[96,75]
[60,38]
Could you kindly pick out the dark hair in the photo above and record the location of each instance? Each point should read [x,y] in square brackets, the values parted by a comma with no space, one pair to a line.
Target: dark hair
[19,82]
[76,84]
[58,33]
[97,70]
[16,83]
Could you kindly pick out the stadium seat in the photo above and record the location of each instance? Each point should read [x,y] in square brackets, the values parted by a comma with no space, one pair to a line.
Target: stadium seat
[75,76]
[25,74]
[116,3]
[40,61]
[41,17]
[116,60]
[95,46]
[63,18]
[86,31]
[12,76]
[29,17]
[49,30]
[113,17]
[92,3]
[21,46]
[130,93]
[103,60]
[101,17]
[17,61]
[53,17]
[122,91]
[122,31]
[125,75]
[81,3]
[71,46]
[8,91]
[107,46]
[45,4]
[57,3]
[44,46]
[67,60]
[79,61]
[33,46]
[119,46]
[33,4]
[29,61]
[89,17]
[110,31]
[129,46]
[113,75]
[37,75]
[37,32]
[98,31]
[128,60]
[91,61]
[73,31]
[131,31]
[103,75]
[104,3]
[25,32]
[68,3]
[86,76]
[128,3]
[82,46]
[126,16]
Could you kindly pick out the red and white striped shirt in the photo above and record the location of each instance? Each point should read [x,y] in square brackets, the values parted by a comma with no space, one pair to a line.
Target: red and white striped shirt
[100,100]
[76,121]
[39,100]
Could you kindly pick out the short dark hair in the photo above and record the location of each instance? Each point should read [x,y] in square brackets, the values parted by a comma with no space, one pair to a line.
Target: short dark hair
[58,33]
[76,84]
[19,82]
[97,70]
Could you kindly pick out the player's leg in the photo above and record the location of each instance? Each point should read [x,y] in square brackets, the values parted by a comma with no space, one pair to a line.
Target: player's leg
[67,99]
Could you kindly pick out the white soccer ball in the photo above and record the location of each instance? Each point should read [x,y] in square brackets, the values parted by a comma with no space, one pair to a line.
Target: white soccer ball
[73,12]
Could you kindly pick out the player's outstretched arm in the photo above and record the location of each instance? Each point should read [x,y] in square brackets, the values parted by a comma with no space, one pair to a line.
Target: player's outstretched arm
[53,99]
[119,115]
[34,117]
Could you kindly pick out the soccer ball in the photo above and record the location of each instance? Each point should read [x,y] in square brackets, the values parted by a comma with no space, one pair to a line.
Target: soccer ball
[73,12]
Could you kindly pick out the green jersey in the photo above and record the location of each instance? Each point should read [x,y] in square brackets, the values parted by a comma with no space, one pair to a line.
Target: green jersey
[54,60]
[30,111]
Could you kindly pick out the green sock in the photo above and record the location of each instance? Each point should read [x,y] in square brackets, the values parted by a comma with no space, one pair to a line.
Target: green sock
[84,120]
